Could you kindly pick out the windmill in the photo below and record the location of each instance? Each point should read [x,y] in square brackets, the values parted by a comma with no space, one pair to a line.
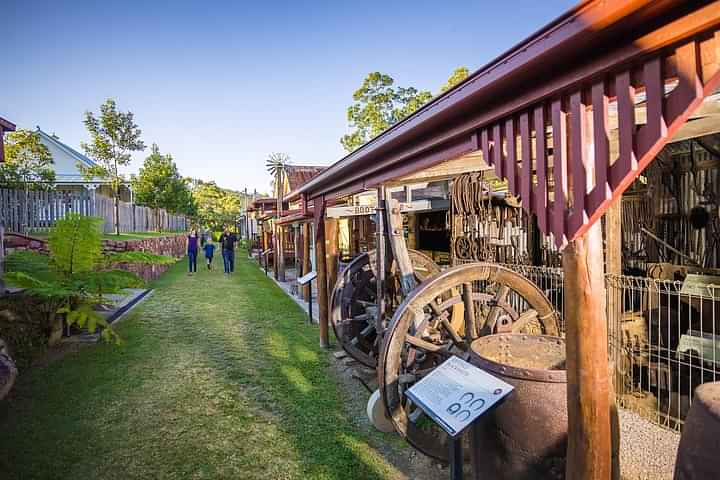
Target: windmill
[276,165]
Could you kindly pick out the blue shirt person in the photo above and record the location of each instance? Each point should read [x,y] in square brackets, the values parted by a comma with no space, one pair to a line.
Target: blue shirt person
[209,249]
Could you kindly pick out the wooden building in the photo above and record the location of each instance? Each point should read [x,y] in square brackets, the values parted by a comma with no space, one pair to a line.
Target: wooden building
[608,112]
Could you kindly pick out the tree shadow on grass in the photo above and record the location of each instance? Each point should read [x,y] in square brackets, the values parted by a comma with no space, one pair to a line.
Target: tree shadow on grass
[277,360]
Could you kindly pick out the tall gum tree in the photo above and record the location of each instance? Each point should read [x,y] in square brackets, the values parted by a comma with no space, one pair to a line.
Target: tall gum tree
[114,136]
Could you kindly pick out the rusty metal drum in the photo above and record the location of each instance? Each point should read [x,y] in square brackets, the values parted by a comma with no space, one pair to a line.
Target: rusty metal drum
[700,442]
[526,436]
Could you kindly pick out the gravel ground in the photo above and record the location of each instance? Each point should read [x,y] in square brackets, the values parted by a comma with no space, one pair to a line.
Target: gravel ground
[647,451]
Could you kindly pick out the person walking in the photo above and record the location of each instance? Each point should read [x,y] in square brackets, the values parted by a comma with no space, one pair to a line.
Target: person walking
[192,251]
[209,251]
[227,244]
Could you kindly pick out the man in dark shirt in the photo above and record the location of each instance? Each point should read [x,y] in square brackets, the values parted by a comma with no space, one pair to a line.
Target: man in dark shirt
[227,244]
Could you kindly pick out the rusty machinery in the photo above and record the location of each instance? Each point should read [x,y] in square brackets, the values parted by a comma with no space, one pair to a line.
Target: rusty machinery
[443,317]
[405,317]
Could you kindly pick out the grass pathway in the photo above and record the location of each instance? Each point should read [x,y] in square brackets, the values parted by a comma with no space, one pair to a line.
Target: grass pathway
[219,377]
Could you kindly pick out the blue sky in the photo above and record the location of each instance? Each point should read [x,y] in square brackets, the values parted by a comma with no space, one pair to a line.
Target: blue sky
[220,85]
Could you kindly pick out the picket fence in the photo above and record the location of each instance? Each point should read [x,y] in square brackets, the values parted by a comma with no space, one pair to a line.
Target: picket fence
[24,212]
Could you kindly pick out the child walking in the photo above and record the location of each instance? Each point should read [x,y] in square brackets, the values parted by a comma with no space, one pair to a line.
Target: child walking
[209,251]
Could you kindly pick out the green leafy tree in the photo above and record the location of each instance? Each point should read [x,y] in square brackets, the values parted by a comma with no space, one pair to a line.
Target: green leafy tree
[28,163]
[216,207]
[159,185]
[458,75]
[114,136]
[378,105]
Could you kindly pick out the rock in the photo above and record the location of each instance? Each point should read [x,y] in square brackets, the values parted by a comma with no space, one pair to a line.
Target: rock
[8,371]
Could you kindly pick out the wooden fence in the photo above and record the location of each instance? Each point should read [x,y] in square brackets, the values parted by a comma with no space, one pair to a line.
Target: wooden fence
[24,212]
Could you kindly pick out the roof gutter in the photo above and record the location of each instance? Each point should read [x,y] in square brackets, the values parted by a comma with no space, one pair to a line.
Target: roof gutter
[559,38]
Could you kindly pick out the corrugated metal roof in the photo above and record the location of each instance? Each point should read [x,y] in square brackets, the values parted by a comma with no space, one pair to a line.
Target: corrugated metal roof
[299,175]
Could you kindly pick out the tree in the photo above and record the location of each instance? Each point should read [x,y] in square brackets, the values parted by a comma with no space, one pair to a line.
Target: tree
[159,185]
[27,161]
[216,207]
[458,75]
[276,164]
[28,165]
[114,136]
[379,105]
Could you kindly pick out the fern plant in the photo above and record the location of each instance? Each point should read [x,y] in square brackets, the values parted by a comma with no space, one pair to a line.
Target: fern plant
[74,278]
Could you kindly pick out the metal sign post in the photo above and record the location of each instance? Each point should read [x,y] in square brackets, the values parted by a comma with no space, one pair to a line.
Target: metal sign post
[265,254]
[304,280]
[454,396]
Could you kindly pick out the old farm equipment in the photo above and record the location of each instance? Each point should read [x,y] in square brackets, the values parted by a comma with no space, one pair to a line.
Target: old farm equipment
[354,302]
[443,317]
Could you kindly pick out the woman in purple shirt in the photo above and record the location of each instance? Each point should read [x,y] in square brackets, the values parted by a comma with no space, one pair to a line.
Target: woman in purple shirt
[192,251]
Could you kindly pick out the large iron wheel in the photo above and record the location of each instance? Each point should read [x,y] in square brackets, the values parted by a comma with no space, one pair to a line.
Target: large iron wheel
[440,319]
[353,303]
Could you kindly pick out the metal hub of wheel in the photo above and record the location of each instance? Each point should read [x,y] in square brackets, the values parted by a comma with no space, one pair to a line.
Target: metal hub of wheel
[354,306]
[440,319]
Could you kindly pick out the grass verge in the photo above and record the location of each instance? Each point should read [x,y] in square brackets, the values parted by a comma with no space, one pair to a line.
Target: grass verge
[219,377]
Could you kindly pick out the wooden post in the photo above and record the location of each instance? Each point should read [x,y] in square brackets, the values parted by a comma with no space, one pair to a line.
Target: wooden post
[306,264]
[588,383]
[2,255]
[321,270]
[331,252]
[613,265]
[280,253]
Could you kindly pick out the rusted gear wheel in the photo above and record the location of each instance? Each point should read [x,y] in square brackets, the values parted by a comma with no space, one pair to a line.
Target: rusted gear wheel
[429,327]
[354,306]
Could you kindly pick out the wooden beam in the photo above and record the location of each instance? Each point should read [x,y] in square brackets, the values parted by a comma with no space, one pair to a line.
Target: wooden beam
[588,393]
[306,264]
[280,254]
[321,267]
[331,252]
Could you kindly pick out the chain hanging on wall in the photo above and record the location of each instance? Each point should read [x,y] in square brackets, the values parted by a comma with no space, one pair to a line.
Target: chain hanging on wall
[484,228]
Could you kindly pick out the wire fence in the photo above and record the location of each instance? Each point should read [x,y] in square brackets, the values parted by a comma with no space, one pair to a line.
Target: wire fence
[663,338]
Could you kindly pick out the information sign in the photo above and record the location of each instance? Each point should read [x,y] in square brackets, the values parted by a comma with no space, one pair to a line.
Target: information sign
[305,279]
[456,393]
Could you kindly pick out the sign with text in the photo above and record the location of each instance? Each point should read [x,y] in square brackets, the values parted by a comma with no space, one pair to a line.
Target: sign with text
[359,210]
[305,279]
[456,393]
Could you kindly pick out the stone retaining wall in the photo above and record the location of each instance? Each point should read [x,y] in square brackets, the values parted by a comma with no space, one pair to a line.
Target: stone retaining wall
[171,246]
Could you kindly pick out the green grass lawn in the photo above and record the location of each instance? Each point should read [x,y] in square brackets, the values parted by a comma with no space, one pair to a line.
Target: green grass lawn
[112,236]
[219,377]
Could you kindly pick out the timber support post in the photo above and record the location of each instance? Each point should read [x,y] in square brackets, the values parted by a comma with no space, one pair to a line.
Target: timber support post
[306,263]
[320,265]
[331,252]
[380,258]
[588,384]
[280,256]
[2,257]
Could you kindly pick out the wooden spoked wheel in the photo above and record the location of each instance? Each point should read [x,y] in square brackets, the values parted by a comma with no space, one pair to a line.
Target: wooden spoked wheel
[440,319]
[354,305]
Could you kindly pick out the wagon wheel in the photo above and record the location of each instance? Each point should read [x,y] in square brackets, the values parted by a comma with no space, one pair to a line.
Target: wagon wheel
[440,319]
[354,307]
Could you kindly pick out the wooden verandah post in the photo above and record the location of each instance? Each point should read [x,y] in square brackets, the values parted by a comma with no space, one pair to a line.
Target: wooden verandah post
[588,381]
[321,266]
[331,253]
[280,253]
[306,264]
